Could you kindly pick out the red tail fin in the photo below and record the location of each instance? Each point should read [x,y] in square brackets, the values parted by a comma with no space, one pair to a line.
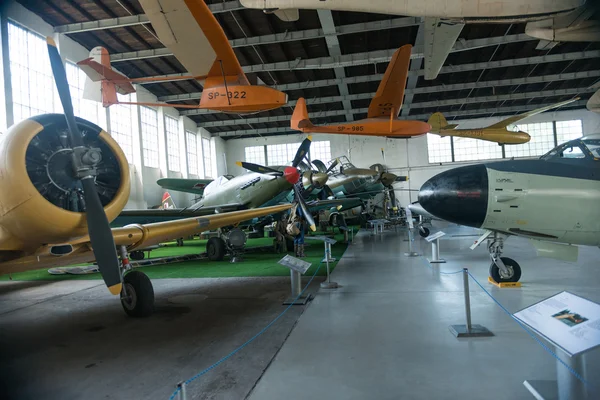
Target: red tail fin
[300,119]
[167,202]
[103,83]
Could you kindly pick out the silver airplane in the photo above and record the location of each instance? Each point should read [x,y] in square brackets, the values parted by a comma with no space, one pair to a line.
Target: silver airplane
[526,198]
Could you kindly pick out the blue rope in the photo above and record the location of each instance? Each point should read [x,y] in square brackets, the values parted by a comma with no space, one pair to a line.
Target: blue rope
[187,382]
[571,370]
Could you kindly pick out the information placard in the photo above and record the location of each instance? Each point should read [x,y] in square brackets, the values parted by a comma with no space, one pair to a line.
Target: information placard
[566,320]
[436,235]
[295,264]
[321,239]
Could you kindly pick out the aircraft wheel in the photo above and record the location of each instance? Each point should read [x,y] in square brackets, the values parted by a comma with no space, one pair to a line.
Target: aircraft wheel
[137,255]
[514,270]
[215,248]
[139,301]
[424,231]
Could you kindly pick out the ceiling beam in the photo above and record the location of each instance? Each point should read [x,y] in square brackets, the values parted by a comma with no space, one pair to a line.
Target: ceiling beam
[120,22]
[426,104]
[452,114]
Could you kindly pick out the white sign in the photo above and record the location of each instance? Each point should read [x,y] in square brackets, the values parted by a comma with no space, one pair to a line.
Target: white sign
[409,217]
[295,264]
[436,235]
[322,239]
[568,321]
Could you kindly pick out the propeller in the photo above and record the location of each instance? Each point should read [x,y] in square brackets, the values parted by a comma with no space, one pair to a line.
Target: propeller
[259,168]
[302,151]
[305,211]
[84,161]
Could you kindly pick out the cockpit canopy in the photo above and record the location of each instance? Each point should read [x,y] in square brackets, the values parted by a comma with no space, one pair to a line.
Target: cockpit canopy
[585,148]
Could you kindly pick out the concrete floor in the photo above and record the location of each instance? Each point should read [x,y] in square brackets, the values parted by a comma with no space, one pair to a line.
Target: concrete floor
[384,334]
[71,339]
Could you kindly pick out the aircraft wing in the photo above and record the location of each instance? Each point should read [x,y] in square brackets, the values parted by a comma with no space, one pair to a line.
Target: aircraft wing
[191,32]
[342,204]
[195,186]
[390,93]
[135,237]
[439,37]
[511,120]
[127,217]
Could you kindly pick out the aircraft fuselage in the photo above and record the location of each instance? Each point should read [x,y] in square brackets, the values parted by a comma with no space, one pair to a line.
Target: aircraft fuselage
[500,136]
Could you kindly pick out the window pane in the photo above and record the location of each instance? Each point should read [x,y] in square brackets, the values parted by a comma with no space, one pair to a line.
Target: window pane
[172,130]
[83,108]
[255,154]
[149,120]
[192,153]
[320,151]
[542,141]
[281,154]
[472,149]
[568,130]
[121,126]
[208,172]
[439,148]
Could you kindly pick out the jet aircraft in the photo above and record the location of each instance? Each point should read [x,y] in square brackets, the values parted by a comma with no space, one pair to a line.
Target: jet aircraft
[503,132]
[382,117]
[525,198]
[73,178]
[192,33]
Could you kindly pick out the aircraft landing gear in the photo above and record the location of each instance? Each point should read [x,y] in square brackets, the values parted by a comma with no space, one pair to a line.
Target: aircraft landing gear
[137,295]
[503,269]
[423,231]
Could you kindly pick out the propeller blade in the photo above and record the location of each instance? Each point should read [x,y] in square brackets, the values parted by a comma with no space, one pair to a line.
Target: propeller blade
[302,151]
[101,238]
[305,211]
[332,166]
[261,169]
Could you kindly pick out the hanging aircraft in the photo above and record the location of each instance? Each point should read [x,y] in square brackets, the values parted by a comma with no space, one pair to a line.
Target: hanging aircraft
[525,198]
[382,117]
[503,132]
[192,33]
[593,103]
[549,20]
[73,178]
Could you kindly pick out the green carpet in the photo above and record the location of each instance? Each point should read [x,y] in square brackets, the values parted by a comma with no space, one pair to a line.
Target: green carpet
[262,263]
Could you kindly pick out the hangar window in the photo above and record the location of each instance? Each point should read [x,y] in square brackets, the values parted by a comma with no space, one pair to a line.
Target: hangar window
[206,153]
[542,141]
[149,121]
[568,130]
[255,154]
[172,130]
[83,108]
[439,148]
[466,149]
[281,154]
[121,126]
[320,151]
[192,152]
[33,89]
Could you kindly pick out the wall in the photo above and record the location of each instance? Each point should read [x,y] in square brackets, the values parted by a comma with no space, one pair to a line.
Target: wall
[403,156]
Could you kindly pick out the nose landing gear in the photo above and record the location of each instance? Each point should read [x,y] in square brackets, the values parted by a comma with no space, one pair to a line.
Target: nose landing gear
[502,269]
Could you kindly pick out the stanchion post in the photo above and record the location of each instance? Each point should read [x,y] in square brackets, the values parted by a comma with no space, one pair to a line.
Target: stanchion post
[295,279]
[351,235]
[468,330]
[182,391]
[410,252]
[328,284]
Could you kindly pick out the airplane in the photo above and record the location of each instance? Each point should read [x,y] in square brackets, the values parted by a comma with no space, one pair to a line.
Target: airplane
[525,198]
[382,117]
[192,33]
[72,179]
[550,21]
[593,103]
[503,132]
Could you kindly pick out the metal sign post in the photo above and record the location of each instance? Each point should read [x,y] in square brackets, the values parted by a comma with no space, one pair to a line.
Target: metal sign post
[328,284]
[435,247]
[410,252]
[297,269]
[469,330]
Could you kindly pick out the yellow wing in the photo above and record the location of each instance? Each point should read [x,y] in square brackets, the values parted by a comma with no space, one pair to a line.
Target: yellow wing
[390,93]
[136,237]
[511,120]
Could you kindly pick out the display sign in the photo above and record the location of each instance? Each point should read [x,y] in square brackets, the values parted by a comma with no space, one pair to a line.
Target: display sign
[409,217]
[322,239]
[435,236]
[295,264]
[568,321]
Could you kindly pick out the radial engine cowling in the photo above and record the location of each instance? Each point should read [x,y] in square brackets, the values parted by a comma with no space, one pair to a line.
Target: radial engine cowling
[41,200]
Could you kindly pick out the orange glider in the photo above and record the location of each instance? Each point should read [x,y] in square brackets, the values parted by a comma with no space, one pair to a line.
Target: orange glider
[191,32]
[382,118]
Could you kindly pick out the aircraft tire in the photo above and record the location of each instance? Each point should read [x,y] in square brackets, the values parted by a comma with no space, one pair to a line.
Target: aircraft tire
[510,263]
[141,293]
[137,255]
[215,249]
[424,231]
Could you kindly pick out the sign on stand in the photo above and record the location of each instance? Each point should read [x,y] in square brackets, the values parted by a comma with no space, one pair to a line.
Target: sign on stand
[295,264]
[435,236]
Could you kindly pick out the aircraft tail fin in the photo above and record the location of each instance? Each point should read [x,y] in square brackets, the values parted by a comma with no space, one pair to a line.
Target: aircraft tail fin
[103,83]
[300,120]
[167,202]
[438,122]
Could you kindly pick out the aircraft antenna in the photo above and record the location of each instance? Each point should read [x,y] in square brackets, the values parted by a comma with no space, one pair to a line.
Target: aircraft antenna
[225,82]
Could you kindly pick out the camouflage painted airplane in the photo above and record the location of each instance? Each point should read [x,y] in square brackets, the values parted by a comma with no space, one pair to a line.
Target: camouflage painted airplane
[525,198]
[191,32]
[73,178]
[382,116]
[503,132]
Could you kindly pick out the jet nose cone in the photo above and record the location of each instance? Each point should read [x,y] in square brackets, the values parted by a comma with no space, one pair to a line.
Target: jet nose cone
[459,195]
[319,179]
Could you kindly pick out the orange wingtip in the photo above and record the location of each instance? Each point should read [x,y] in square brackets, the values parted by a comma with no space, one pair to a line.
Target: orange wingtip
[115,289]
[50,41]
